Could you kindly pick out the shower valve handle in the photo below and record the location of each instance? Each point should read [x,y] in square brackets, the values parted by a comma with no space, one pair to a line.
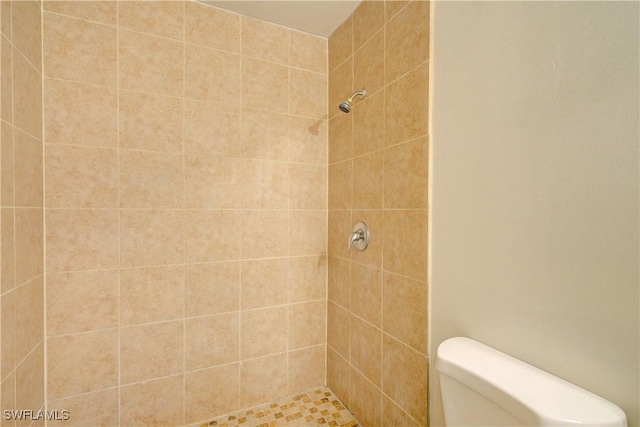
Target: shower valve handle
[360,236]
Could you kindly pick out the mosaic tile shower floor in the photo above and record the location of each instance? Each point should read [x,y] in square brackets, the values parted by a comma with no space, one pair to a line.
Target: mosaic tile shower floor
[318,407]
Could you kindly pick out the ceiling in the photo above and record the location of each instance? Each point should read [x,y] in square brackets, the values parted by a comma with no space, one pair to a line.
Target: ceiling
[319,18]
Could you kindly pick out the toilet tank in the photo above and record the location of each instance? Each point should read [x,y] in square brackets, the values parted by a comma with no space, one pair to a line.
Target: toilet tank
[481,386]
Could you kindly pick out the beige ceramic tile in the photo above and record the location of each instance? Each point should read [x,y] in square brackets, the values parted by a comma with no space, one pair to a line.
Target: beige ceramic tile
[306,369]
[6,167]
[308,232]
[265,184]
[308,52]
[368,18]
[264,283]
[366,350]
[365,400]
[6,78]
[164,18]
[80,50]
[262,380]
[406,175]
[340,137]
[81,177]
[82,363]
[27,30]
[27,171]
[7,249]
[368,125]
[410,297]
[213,182]
[95,291]
[263,332]
[368,181]
[5,21]
[407,40]
[341,86]
[151,294]
[366,293]
[392,415]
[265,134]
[211,392]
[308,94]
[265,85]
[405,378]
[105,12]
[212,235]
[158,402]
[8,332]
[368,63]
[339,282]
[307,324]
[409,257]
[341,44]
[91,409]
[150,351]
[338,375]
[307,186]
[212,75]
[81,239]
[151,64]
[30,375]
[151,122]
[27,96]
[340,185]
[264,234]
[151,237]
[29,256]
[81,114]
[339,330]
[151,180]
[308,140]
[219,137]
[407,107]
[212,27]
[212,288]
[211,340]
[263,40]
[307,278]
[340,228]
[8,395]
[29,316]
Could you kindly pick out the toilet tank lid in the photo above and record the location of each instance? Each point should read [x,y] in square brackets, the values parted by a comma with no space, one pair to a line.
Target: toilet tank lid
[530,394]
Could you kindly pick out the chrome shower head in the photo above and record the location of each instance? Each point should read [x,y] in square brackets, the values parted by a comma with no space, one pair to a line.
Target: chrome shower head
[345,107]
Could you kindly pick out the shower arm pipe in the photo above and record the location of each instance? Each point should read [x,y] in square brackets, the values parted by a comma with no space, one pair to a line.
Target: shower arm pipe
[362,92]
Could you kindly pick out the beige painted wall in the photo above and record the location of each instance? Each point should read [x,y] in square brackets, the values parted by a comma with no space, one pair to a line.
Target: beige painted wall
[535,188]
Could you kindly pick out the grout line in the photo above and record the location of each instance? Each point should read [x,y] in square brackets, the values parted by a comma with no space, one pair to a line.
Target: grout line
[119,204]
[184,204]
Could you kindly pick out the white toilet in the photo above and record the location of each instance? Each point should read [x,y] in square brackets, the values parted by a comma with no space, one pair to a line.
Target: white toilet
[481,386]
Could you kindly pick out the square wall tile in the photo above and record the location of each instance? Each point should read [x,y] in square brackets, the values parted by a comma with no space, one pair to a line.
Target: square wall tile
[407,40]
[309,91]
[265,184]
[151,237]
[368,125]
[307,278]
[211,392]
[410,297]
[79,50]
[213,129]
[341,44]
[301,241]
[27,96]
[212,288]
[264,282]
[264,234]
[151,351]
[213,182]
[81,239]
[212,340]
[212,235]
[307,186]
[212,75]
[80,114]
[308,140]
[151,64]
[339,330]
[366,293]
[99,408]
[158,402]
[368,181]
[341,185]
[340,137]
[265,85]
[95,291]
[307,324]
[407,107]
[81,177]
[406,175]
[212,27]
[82,363]
[365,400]
[265,134]
[409,257]
[262,380]
[368,18]
[263,40]
[263,332]
[306,369]
[366,350]
[308,52]
[339,282]
[151,294]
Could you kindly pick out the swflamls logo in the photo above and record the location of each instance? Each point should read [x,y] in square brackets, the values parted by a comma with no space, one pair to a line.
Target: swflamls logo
[30,414]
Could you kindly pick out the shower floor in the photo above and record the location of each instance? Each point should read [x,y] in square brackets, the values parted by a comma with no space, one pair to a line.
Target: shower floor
[314,408]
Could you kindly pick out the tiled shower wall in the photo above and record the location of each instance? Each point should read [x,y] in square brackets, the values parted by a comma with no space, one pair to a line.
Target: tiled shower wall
[378,173]
[186,192]
[22,243]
